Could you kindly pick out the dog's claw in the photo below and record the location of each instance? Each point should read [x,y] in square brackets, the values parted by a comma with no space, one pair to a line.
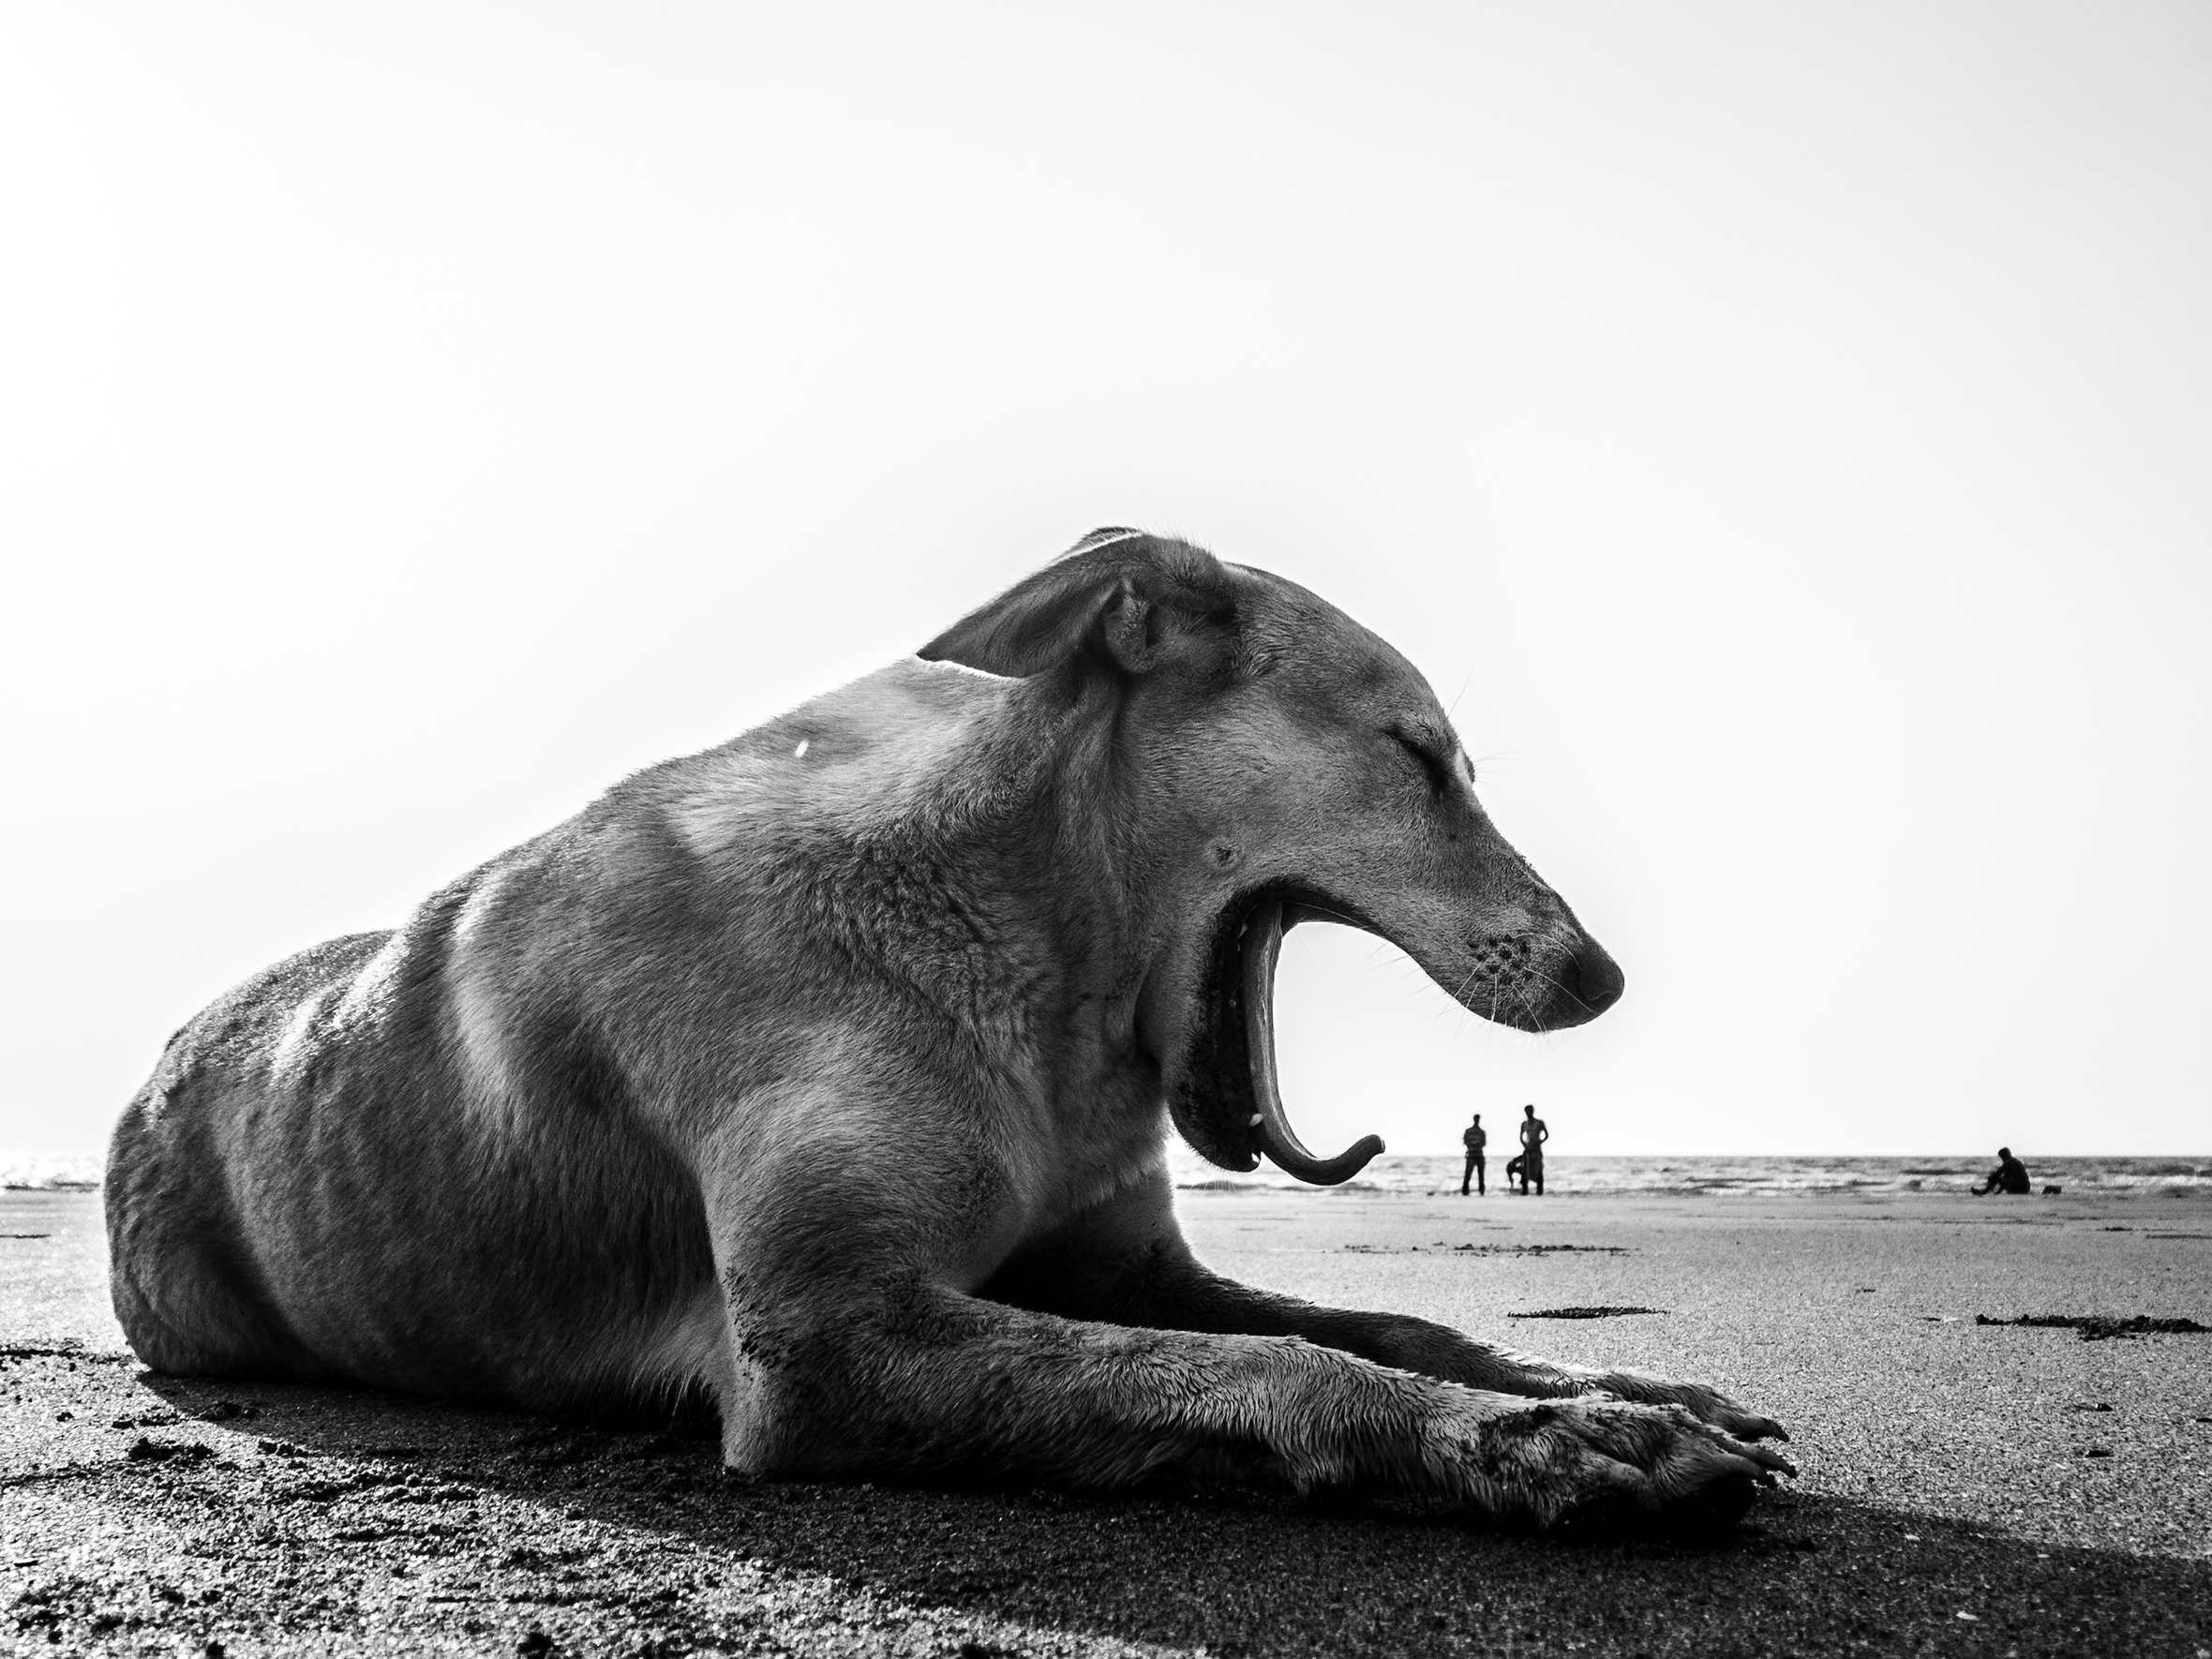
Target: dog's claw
[1770,1463]
[1740,1444]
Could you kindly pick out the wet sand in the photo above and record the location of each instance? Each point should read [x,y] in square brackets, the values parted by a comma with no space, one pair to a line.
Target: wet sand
[1966,1488]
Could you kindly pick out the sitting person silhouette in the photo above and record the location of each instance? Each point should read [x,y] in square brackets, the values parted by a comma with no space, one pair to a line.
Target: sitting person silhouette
[2010,1176]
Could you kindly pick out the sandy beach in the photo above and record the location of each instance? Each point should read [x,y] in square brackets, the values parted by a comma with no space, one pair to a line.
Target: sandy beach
[1965,1487]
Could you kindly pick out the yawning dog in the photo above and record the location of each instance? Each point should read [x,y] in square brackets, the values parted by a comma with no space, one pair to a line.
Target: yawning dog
[828,1074]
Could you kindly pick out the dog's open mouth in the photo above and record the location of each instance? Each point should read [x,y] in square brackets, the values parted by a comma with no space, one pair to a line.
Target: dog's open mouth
[1246,1114]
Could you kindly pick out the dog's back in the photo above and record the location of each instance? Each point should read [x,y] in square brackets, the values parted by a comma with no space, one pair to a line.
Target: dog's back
[421,1158]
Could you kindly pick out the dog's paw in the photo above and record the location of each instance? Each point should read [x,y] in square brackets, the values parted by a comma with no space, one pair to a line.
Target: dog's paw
[1708,1405]
[1595,1464]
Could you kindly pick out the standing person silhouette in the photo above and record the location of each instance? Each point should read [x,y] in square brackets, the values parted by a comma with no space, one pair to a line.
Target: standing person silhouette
[1532,1136]
[1474,1138]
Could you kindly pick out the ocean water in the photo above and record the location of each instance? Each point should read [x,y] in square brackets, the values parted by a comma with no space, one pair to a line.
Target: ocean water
[1422,1174]
[1762,1176]
[24,1171]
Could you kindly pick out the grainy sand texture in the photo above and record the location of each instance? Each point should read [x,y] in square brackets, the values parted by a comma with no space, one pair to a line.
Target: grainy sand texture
[1966,1488]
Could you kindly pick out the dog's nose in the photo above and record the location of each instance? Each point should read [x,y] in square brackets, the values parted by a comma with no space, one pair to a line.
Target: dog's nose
[1592,978]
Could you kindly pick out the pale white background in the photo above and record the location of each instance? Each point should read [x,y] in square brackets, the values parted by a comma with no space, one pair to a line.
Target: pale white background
[1784,431]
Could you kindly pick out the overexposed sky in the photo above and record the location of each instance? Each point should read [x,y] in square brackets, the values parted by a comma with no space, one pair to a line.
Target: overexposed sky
[1784,432]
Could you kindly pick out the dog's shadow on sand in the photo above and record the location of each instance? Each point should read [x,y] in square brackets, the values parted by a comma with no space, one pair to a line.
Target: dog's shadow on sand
[1236,1571]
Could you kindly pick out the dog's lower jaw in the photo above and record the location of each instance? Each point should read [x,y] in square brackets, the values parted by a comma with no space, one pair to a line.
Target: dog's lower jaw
[1261,945]
[1226,1098]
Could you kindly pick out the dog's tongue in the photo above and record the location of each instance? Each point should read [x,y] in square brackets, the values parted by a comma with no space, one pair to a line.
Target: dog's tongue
[1263,943]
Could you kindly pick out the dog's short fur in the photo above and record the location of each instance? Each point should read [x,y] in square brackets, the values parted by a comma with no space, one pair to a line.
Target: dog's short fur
[828,1073]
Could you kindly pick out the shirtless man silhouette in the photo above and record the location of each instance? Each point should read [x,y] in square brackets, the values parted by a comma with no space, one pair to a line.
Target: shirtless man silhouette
[1532,1136]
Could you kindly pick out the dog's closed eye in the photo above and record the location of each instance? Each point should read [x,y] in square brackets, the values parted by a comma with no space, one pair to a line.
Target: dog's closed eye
[1422,747]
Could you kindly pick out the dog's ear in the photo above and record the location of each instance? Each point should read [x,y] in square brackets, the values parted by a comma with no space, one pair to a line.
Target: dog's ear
[1119,597]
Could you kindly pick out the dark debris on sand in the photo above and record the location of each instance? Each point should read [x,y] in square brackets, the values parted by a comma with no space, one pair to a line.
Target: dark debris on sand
[1487,1250]
[2100,1328]
[1585,1312]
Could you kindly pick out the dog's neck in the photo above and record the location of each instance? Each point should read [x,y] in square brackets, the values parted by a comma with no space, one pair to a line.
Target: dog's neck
[1034,826]
[986,841]
[1073,854]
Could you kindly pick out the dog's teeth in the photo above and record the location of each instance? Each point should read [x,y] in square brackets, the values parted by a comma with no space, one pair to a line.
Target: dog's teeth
[799,752]
[1254,1121]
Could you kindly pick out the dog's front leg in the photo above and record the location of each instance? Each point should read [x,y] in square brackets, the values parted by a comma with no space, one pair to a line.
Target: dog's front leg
[1127,1261]
[884,1378]
[855,1351]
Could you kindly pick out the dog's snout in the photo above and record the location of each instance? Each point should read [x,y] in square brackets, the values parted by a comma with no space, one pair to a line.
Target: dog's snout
[1592,978]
